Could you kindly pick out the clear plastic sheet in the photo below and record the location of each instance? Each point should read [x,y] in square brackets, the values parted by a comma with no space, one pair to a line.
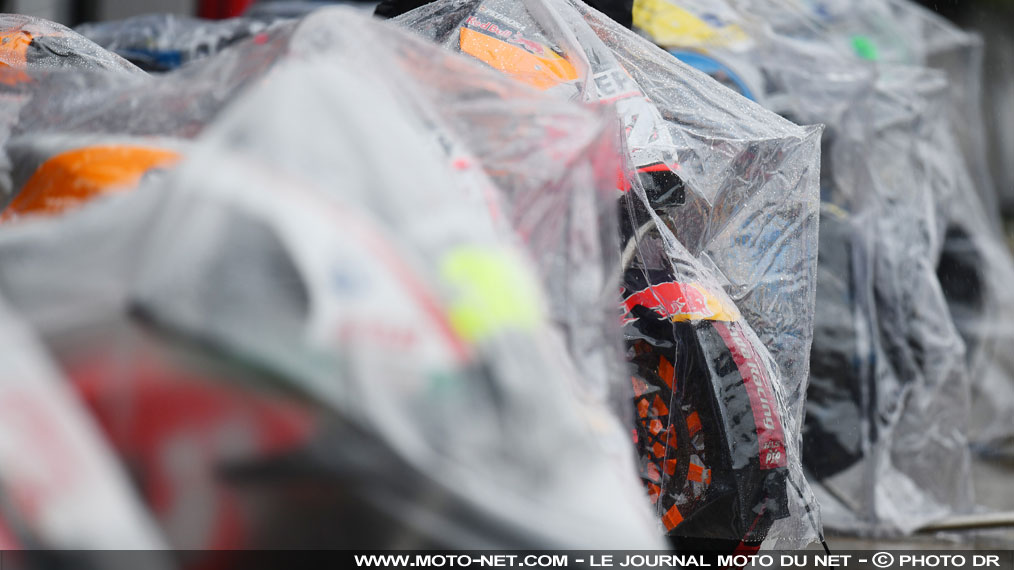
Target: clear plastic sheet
[273,10]
[429,398]
[718,229]
[60,486]
[975,265]
[558,152]
[921,343]
[178,105]
[903,32]
[88,107]
[887,405]
[33,46]
[975,268]
[37,44]
[161,42]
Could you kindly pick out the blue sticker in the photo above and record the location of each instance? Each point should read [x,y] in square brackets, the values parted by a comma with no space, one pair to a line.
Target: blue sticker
[716,69]
[163,59]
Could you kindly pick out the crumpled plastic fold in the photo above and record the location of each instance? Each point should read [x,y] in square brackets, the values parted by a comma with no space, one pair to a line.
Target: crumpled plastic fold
[162,42]
[889,385]
[718,225]
[335,309]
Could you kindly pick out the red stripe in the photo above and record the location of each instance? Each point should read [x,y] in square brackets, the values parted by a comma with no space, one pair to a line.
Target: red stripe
[657,167]
[669,300]
[770,437]
[623,184]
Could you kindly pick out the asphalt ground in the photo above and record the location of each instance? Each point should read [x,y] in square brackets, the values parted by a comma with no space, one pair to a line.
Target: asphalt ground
[994,490]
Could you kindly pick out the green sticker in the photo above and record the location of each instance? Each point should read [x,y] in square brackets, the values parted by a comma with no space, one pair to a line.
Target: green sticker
[865,48]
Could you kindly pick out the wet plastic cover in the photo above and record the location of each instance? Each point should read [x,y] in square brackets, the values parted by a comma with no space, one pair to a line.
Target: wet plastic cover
[975,266]
[160,42]
[31,46]
[558,169]
[54,109]
[903,32]
[405,308]
[60,486]
[54,173]
[34,43]
[718,235]
[886,409]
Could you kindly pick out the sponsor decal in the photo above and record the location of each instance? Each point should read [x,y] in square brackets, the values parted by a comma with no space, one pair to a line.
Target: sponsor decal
[770,436]
[680,302]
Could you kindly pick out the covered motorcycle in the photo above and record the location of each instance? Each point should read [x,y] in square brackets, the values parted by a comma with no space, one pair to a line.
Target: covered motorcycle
[708,234]
[340,353]
[888,382]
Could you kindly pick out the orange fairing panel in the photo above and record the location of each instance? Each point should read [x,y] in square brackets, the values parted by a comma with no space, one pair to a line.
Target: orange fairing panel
[541,71]
[14,55]
[74,177]
[14,48]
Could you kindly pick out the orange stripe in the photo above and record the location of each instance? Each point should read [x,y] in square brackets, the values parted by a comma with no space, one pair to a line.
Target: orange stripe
[14,55]
[653,492]
[76,176]
[699,474]
[670,467]
[670,437]
[693,423]
[672,518]
[666,371]
[659,407]
[642,408]
[651,472]
[538,71]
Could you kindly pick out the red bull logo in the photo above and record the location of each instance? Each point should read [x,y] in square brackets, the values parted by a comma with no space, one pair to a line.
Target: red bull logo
[534,47]
[491,27]
[671,300]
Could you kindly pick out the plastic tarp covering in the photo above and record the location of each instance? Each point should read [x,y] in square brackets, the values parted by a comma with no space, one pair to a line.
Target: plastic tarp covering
[139,125]
[272,10]
[975,268]
[975,264]
[179,105]
[718,234]
[419,390]
[916,331]
[59,110]
[60,486]
[160,42]
[888,382]
[34,43]
[903,32]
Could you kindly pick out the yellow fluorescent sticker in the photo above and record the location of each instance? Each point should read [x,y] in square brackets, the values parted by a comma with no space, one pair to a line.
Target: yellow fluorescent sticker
[671,26]
[495,292]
